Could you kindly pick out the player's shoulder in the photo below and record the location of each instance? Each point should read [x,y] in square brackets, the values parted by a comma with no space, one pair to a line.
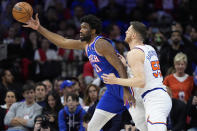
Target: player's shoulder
[136,51]
[135,55]
[102,41]
[103,45]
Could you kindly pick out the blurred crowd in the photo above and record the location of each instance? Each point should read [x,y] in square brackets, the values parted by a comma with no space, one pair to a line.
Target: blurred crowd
[45,86]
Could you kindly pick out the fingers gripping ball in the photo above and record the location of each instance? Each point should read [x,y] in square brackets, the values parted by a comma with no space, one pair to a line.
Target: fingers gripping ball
[22,12]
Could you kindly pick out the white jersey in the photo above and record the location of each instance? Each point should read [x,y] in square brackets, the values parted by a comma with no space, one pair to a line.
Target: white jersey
[153,77]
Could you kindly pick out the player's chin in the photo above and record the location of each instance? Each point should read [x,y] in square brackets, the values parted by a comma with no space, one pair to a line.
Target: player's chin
[126,40]
[82,38]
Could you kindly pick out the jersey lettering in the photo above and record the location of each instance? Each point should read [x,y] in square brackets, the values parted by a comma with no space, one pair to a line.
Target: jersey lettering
[156,69]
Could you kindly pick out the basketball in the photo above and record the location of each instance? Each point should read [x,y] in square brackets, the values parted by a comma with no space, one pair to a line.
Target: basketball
[22,11]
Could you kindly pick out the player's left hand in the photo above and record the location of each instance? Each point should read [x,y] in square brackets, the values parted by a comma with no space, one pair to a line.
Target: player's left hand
[109,78]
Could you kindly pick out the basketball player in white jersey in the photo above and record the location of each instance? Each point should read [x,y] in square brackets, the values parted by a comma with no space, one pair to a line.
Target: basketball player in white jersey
[153,103]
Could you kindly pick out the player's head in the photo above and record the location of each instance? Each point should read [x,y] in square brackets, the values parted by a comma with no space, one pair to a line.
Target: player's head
[137,30]
[90,25]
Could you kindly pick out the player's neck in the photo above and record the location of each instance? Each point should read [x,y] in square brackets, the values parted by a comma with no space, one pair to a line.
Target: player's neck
[134,43]
[92,39]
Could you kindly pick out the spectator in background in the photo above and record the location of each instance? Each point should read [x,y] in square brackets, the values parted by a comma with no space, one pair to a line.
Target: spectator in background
[10,37]
[88,6]
[15,50]
[53,106]
[29,48]
[9,100]
[120,47]
[177,116]
[168,53]
[21,114]
[177,45]
[40,94]
[66,87]
[77,89]
[7,83]
[78,13]
[5,16]
[180,82]
[176,26]
[51,18]
[114,32]
[59,4]
[38,126]
[46,59]
[57,86]
[192,112]
[71,116]
[159,42]
[112,12]
[48,85]
[91,95]
[30,45]
[92,108]
[193,35]
[44,53]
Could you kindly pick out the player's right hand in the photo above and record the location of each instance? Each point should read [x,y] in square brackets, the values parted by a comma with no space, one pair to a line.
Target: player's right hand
[33,23]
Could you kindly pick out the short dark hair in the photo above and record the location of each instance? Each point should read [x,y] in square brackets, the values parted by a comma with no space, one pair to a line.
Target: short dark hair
[2,72]
[41,84]
[28,87]
[93,21]
[73,96]
[140,28]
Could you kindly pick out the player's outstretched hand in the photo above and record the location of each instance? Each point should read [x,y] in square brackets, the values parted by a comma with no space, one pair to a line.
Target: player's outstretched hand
[109,78]
[33,23]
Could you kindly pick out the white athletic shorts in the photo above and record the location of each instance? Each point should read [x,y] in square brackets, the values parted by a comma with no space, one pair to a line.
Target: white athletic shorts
[151,112]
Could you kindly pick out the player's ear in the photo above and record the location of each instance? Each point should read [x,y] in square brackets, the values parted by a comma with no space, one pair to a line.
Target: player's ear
[133,35]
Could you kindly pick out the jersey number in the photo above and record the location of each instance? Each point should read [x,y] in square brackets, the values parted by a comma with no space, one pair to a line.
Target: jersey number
[156,69]
[97,68]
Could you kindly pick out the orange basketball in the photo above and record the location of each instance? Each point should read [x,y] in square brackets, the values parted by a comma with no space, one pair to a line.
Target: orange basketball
[22,11]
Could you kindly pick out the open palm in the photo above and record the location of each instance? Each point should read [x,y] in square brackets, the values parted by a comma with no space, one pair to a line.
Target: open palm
[33,23]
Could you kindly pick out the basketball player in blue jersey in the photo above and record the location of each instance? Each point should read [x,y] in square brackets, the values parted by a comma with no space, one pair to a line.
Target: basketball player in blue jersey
[103,58]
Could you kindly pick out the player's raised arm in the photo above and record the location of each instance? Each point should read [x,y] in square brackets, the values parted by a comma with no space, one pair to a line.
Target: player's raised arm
[53,37]
[136,62]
